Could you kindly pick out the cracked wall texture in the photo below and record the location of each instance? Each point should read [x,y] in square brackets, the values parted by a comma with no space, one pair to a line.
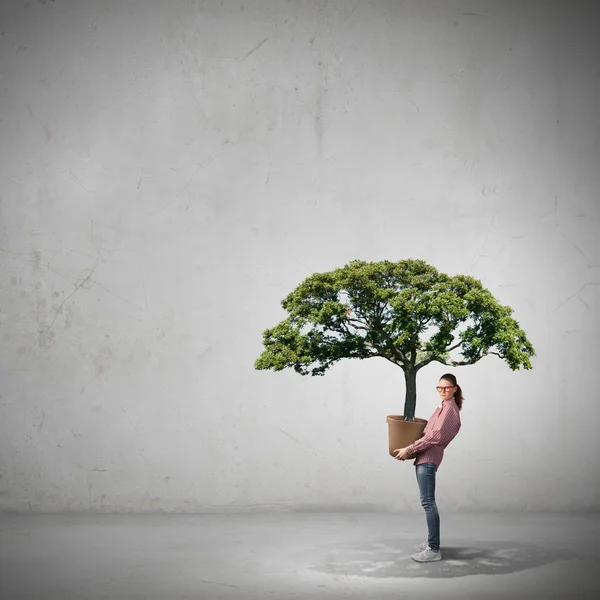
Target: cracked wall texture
[171,170]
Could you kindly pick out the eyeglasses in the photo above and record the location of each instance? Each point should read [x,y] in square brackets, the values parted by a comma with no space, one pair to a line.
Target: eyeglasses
[444,388]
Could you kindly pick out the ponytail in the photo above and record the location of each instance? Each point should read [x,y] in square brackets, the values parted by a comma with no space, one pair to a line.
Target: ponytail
[458,397]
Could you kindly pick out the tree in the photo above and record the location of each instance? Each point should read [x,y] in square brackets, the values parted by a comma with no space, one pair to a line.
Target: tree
[406,312]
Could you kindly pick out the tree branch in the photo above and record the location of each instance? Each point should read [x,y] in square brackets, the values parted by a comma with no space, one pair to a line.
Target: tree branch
[454,347]
[423,323]
[461,363]
[342,326]
[395,351]
[394,362]
[353,321]
[376,353]
[427,361]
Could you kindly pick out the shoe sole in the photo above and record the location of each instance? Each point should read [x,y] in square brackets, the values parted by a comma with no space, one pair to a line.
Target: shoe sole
[424,561]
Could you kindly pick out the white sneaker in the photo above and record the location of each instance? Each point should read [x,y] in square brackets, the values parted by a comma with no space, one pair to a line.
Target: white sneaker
[428,555]
[420,547]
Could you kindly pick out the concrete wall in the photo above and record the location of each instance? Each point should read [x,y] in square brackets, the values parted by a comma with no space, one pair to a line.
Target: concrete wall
[171,170]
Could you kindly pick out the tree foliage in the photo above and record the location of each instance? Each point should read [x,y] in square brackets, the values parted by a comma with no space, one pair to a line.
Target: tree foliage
[406,312]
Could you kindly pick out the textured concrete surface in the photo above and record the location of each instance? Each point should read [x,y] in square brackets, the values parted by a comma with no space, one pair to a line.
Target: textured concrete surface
[174,168]
[297,555]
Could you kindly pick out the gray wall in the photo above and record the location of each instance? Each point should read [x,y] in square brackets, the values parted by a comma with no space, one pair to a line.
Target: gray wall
[171,170]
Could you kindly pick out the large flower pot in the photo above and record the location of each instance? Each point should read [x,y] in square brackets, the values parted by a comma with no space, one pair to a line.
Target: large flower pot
[403,433]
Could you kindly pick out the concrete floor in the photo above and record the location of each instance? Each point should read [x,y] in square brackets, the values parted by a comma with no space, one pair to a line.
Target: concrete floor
[297,555]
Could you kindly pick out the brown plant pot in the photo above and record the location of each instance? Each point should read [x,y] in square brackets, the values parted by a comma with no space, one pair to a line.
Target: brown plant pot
[403,433]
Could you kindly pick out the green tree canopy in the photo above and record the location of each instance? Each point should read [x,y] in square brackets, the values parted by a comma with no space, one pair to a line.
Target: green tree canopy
[406,312]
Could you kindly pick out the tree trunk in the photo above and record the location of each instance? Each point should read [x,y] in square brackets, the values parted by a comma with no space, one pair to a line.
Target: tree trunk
[410,400]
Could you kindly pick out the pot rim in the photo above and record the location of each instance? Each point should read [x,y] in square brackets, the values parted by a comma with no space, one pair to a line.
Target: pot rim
[398,419]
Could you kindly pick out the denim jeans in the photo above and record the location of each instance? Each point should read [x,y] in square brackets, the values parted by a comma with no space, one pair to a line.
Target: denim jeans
[426,479]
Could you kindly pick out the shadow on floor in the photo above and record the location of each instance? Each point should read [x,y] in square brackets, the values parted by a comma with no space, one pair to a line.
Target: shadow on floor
[381,560]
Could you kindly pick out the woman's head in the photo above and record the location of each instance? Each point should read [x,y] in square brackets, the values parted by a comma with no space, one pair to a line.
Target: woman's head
[447,387]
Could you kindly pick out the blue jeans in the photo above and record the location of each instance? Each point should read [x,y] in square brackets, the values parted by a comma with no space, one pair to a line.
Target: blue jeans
[426,479]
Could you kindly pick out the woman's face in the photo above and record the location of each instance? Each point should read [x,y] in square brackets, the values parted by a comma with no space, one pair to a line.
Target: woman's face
[445,389]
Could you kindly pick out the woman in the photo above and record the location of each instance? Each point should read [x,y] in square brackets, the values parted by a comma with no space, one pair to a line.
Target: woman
[438,433]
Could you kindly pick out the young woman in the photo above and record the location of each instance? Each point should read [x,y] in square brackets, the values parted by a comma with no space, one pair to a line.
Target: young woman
[440,430]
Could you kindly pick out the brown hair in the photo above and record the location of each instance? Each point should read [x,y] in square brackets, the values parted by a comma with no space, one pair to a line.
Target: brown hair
[458,395]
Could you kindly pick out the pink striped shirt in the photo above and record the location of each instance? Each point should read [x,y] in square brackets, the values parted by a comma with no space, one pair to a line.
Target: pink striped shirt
[440,430]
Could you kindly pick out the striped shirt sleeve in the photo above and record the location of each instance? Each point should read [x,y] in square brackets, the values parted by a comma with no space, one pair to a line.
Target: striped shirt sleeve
[441,433]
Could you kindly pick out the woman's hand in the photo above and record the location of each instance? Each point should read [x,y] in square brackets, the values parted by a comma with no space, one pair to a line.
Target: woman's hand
[401,453]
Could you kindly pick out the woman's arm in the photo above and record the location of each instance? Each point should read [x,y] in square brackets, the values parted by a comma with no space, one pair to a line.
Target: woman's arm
[441,434]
